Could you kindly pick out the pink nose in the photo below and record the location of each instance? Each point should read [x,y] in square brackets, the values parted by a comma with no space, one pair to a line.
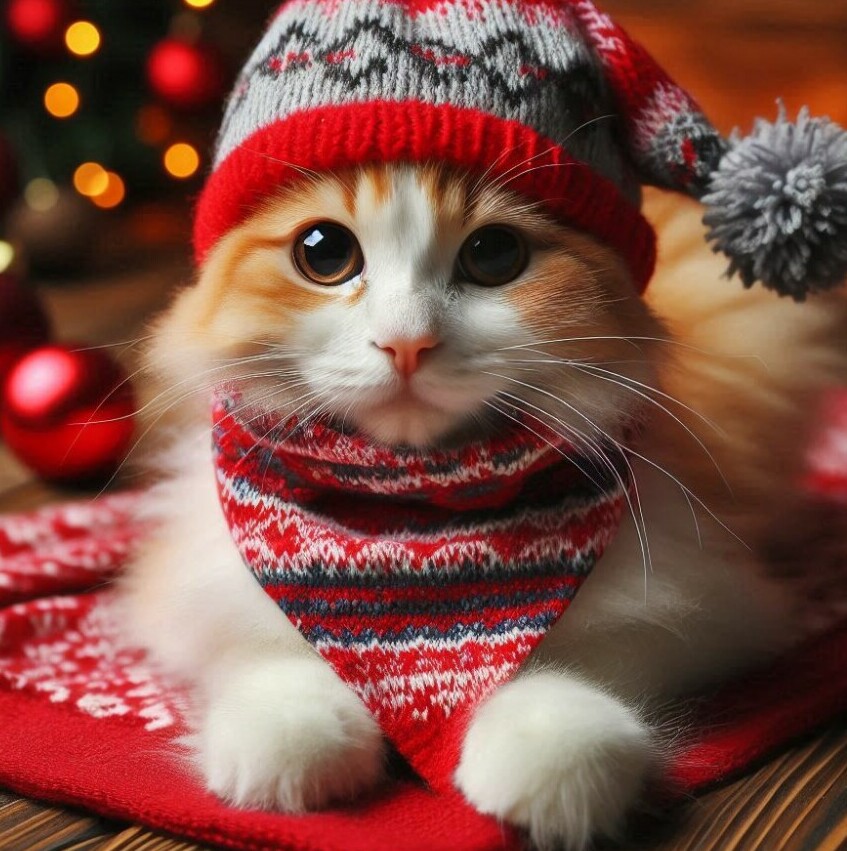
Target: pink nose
[406,353]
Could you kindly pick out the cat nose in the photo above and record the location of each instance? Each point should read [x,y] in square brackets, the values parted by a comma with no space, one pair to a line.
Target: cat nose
[406,353]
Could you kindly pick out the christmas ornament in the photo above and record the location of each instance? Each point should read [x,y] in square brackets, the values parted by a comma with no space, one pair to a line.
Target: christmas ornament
[37,24]
[57,235]
[68,413]
[186,76]
[23,323]
[9,181]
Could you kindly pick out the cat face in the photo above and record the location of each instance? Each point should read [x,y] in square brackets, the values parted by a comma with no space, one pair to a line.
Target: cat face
[416,305]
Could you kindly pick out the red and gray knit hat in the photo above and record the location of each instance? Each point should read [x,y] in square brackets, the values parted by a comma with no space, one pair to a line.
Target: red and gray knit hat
[550,97]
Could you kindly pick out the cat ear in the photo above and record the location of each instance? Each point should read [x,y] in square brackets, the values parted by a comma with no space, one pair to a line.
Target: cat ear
[776,201]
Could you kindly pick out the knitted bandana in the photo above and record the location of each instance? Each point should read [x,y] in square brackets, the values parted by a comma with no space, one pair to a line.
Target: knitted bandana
[424,580]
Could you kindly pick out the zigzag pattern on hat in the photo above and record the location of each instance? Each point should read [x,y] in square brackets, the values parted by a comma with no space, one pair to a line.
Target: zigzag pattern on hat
[327,53]
[552,93]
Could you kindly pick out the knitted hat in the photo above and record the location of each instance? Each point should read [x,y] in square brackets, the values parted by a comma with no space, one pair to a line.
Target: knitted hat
[549,97]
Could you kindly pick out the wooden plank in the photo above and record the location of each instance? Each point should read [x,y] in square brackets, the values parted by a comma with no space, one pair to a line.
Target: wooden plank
[796,802]
[28,827]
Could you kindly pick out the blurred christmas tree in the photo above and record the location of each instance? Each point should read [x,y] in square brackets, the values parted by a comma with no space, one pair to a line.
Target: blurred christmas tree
[104,104]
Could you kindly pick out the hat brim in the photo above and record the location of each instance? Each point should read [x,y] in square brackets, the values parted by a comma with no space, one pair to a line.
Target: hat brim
[332,138]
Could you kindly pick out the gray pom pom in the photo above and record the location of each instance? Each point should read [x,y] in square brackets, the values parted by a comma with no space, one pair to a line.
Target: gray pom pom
[778,205]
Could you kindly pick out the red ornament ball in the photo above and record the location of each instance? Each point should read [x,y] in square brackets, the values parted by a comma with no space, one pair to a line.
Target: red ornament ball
[68,414]
[38,24]
[186,76]
[23,323]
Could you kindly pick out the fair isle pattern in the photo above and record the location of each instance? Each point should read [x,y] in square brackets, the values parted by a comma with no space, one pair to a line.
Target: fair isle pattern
[63,646]
[68,650]
[425,580]
[519,61]
[549,98]
[671,142]
[562,68]
[70,546]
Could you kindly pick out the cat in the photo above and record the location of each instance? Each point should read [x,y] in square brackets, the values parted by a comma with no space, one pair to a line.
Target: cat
[485,307]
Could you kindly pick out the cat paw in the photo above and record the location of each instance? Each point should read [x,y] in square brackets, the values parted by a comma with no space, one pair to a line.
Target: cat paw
[287,735]
[557,757]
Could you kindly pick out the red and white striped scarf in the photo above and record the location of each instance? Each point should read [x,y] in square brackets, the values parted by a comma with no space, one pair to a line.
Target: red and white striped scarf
[424,579]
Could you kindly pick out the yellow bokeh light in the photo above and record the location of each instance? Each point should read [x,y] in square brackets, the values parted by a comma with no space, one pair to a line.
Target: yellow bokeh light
[182,160]
[91,179]
[113,194]
[41,194]
[82,38]
[7,255]
[199,4]
[61,100]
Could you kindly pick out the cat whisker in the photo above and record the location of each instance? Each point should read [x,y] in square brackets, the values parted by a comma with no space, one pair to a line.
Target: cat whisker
[607,376]
[139,441]
[345,415]
[152,402]
[630,340]
[310,174]
[483,177]
[304,421]
[540,436]
[633,500]
[125,345]
[500,184]
[505,153]
[584,365]
[504,183]
[305,400]
[551,360]
[628,450]
[634,340]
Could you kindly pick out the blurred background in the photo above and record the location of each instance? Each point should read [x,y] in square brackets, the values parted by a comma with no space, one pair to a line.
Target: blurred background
[108,110]
[107,113]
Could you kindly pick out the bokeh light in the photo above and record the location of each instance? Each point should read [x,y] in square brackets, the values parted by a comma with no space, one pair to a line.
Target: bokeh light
[61,100]
[153,125]
[41,194]
[113,194]
[181,160]
[35,22]
[199,4]
[7,255]
[91,179]
[82,38]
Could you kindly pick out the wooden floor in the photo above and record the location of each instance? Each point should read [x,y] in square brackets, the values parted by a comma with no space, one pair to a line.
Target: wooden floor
[737,56]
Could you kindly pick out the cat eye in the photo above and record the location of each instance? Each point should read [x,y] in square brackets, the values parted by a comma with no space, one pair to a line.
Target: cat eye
[328,254]
[493,256]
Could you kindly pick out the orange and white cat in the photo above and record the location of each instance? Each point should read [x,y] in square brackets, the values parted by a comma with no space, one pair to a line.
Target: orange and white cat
[420,306]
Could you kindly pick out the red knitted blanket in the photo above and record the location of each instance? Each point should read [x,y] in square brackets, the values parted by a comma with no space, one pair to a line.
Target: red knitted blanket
[85,721]
[424,579]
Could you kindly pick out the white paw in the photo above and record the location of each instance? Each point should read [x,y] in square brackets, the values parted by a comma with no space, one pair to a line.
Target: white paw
[288,735]
[557,757]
